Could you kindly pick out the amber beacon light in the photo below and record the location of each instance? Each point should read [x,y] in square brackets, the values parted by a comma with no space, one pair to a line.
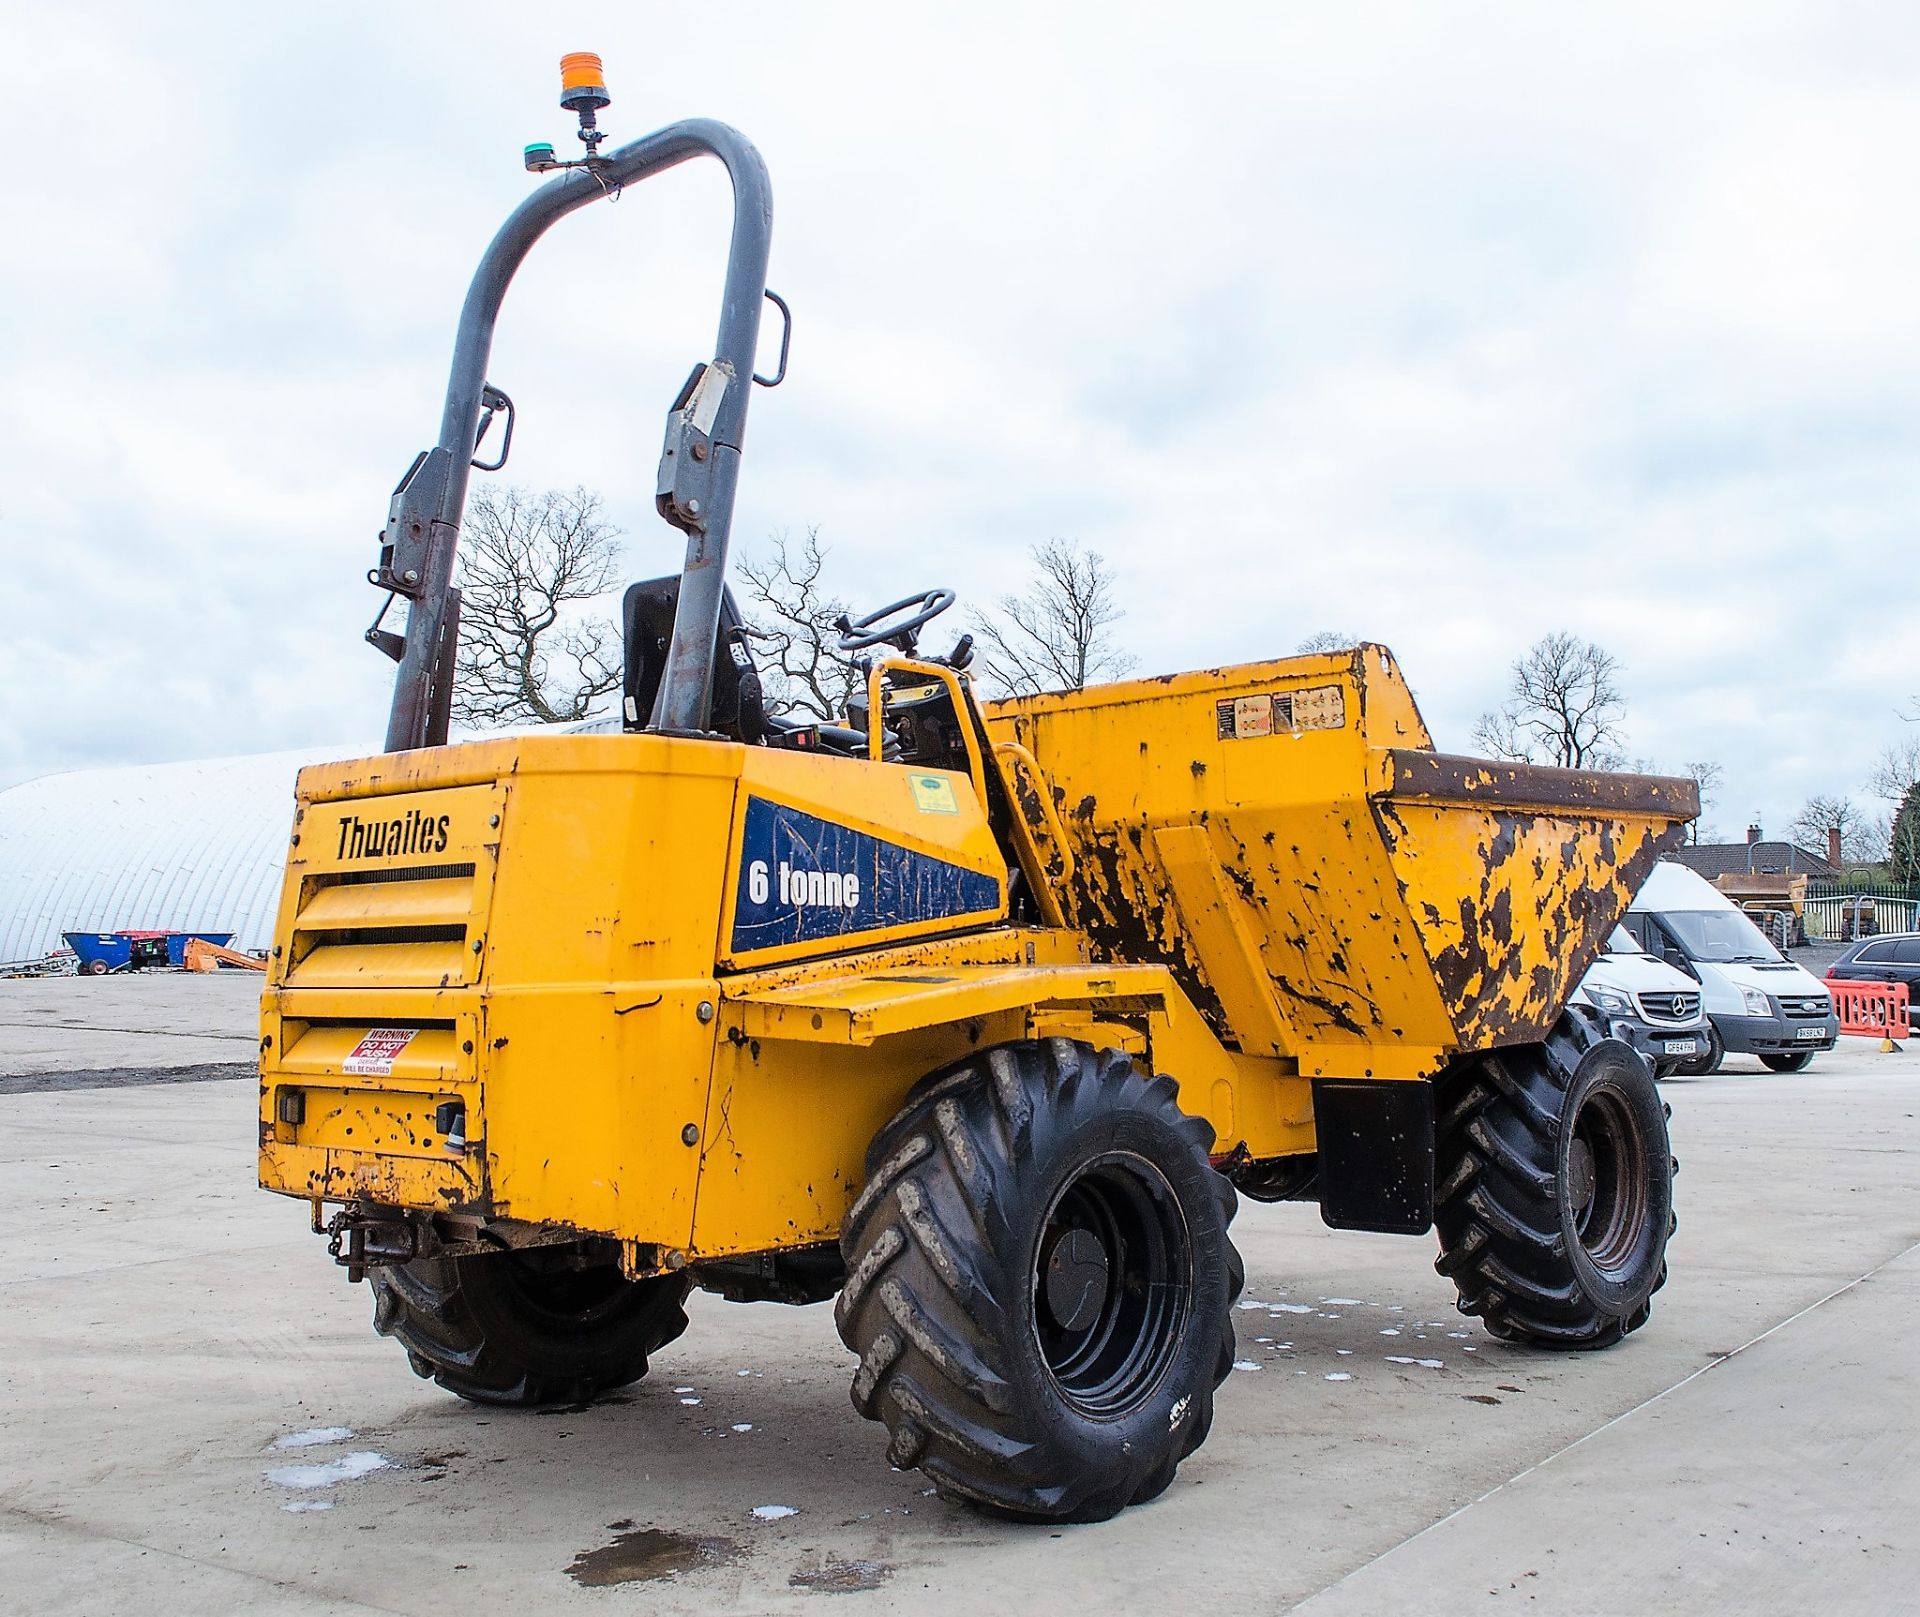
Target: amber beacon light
[583,90]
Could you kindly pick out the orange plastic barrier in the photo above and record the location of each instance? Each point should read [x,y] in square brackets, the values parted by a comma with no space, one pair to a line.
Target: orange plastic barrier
[1872,1010]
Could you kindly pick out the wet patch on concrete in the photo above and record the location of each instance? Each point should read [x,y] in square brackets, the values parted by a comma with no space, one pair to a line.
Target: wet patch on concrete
[314,1437]
[605,1401]
[649,1555]
[327,1473]
[42,1083]
[836,1577]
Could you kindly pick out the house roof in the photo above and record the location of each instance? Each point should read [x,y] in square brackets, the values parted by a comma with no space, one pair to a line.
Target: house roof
[1763,858]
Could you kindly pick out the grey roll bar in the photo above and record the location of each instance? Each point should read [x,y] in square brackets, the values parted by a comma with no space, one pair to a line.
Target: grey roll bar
[424,524]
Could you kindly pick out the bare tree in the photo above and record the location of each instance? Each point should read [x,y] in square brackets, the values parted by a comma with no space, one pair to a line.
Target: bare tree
[1862,841]
[1895,779]
[1896,770]
[525,558]
[1057,635]
[1563,707]
[1707,776]
[1327,640]
[792,617]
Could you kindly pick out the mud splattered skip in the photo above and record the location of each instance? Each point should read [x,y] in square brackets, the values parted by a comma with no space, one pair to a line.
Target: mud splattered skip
[842,1577]
[649,1555]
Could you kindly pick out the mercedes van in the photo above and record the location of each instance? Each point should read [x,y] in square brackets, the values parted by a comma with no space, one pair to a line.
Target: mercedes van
[1757,1001]
[1645,1003]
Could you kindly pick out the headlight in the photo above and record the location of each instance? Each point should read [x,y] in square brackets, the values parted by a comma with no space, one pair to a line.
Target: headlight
[1614,1004]
[1757,1003]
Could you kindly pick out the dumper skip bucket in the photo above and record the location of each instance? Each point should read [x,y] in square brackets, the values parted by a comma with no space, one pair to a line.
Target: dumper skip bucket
[1323,884]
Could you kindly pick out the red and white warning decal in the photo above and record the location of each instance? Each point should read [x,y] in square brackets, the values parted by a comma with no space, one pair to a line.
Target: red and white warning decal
[1318,707]
[373,1056]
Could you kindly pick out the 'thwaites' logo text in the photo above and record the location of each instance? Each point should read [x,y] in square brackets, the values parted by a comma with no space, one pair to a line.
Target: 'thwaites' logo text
[412,832]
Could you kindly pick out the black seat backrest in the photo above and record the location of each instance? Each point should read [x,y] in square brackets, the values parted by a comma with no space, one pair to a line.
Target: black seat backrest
[646,627]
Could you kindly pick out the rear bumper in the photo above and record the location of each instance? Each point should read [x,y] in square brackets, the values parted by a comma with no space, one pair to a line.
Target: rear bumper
[1776,1035]
[347,1115]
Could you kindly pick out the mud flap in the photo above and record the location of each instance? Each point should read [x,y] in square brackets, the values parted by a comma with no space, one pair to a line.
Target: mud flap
[1376,1154]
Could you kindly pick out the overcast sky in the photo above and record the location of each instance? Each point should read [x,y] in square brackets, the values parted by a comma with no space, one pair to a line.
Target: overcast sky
[1444,325]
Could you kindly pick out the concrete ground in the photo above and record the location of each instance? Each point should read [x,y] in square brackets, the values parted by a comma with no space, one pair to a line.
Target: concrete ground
[164,1325]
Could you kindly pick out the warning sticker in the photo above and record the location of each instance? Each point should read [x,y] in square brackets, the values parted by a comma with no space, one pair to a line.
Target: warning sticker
[373,1056]
[1319,707]
[933,794]
[1253,716]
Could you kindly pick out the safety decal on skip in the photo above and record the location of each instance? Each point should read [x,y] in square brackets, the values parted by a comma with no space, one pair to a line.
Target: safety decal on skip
[1319,707]
[373,1056]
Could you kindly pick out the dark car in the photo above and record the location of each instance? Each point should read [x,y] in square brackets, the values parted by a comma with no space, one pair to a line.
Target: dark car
[1892,958]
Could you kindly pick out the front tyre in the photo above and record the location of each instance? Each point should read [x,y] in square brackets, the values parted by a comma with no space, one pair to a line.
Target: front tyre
[1792,1061]
[1040,1283]
[545,1325]
[1709,1060]
[1555,1195]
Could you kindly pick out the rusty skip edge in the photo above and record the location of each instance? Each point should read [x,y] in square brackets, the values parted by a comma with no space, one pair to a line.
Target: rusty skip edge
[1439,777]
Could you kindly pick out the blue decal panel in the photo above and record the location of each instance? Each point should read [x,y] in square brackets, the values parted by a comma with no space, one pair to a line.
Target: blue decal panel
[803,879]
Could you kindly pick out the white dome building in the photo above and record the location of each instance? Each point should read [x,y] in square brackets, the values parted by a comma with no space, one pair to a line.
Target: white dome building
[191,846]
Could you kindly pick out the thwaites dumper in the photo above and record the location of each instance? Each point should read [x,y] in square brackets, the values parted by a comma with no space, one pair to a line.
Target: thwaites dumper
[973,1015]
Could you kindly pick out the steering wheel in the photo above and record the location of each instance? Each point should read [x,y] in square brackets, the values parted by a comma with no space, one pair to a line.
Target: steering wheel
[875,629]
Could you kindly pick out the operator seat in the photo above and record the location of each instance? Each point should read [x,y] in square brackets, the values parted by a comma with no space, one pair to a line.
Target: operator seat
[738,709]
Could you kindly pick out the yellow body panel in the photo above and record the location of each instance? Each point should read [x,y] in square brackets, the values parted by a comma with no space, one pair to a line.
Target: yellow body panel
[865,1006]
[678,985]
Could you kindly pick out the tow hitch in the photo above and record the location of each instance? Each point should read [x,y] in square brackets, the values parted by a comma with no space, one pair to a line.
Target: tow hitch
[359,1239]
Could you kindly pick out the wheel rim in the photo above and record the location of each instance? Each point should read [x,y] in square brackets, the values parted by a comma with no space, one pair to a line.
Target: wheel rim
[1607,1180]
[1112,1283]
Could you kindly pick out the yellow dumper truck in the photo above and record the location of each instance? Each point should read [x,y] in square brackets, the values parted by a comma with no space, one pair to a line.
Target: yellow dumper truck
[972,1015]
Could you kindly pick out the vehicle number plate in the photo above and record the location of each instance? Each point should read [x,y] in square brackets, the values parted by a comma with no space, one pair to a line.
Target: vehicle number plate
[1809,1033]
[1681,1047]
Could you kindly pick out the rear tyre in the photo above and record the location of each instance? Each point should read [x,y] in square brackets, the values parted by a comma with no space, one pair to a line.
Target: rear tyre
[95,968]
[531,1327]
[1793,1061]
[1040,1284]
[1709,1060]
[1555,1194]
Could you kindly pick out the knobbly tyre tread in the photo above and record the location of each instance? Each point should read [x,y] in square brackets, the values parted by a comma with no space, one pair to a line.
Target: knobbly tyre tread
[934,1295]
[1503,1242]
[1708,1061]
[462,1330]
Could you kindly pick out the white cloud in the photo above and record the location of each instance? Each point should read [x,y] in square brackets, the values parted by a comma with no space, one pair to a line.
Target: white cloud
[1446,325]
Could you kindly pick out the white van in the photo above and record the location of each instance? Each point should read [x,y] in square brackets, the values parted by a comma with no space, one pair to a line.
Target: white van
[1758,1002]
[1646,1003]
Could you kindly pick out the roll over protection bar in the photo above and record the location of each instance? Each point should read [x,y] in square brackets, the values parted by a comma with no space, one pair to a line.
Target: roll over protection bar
[424,527]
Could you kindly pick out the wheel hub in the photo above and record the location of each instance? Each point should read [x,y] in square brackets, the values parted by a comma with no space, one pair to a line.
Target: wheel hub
[1607,1171]
[1111,1283]
[1580,1175]
[1076,1280]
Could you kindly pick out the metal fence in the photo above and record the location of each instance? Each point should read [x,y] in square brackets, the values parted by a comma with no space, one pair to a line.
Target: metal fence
[1838,913]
